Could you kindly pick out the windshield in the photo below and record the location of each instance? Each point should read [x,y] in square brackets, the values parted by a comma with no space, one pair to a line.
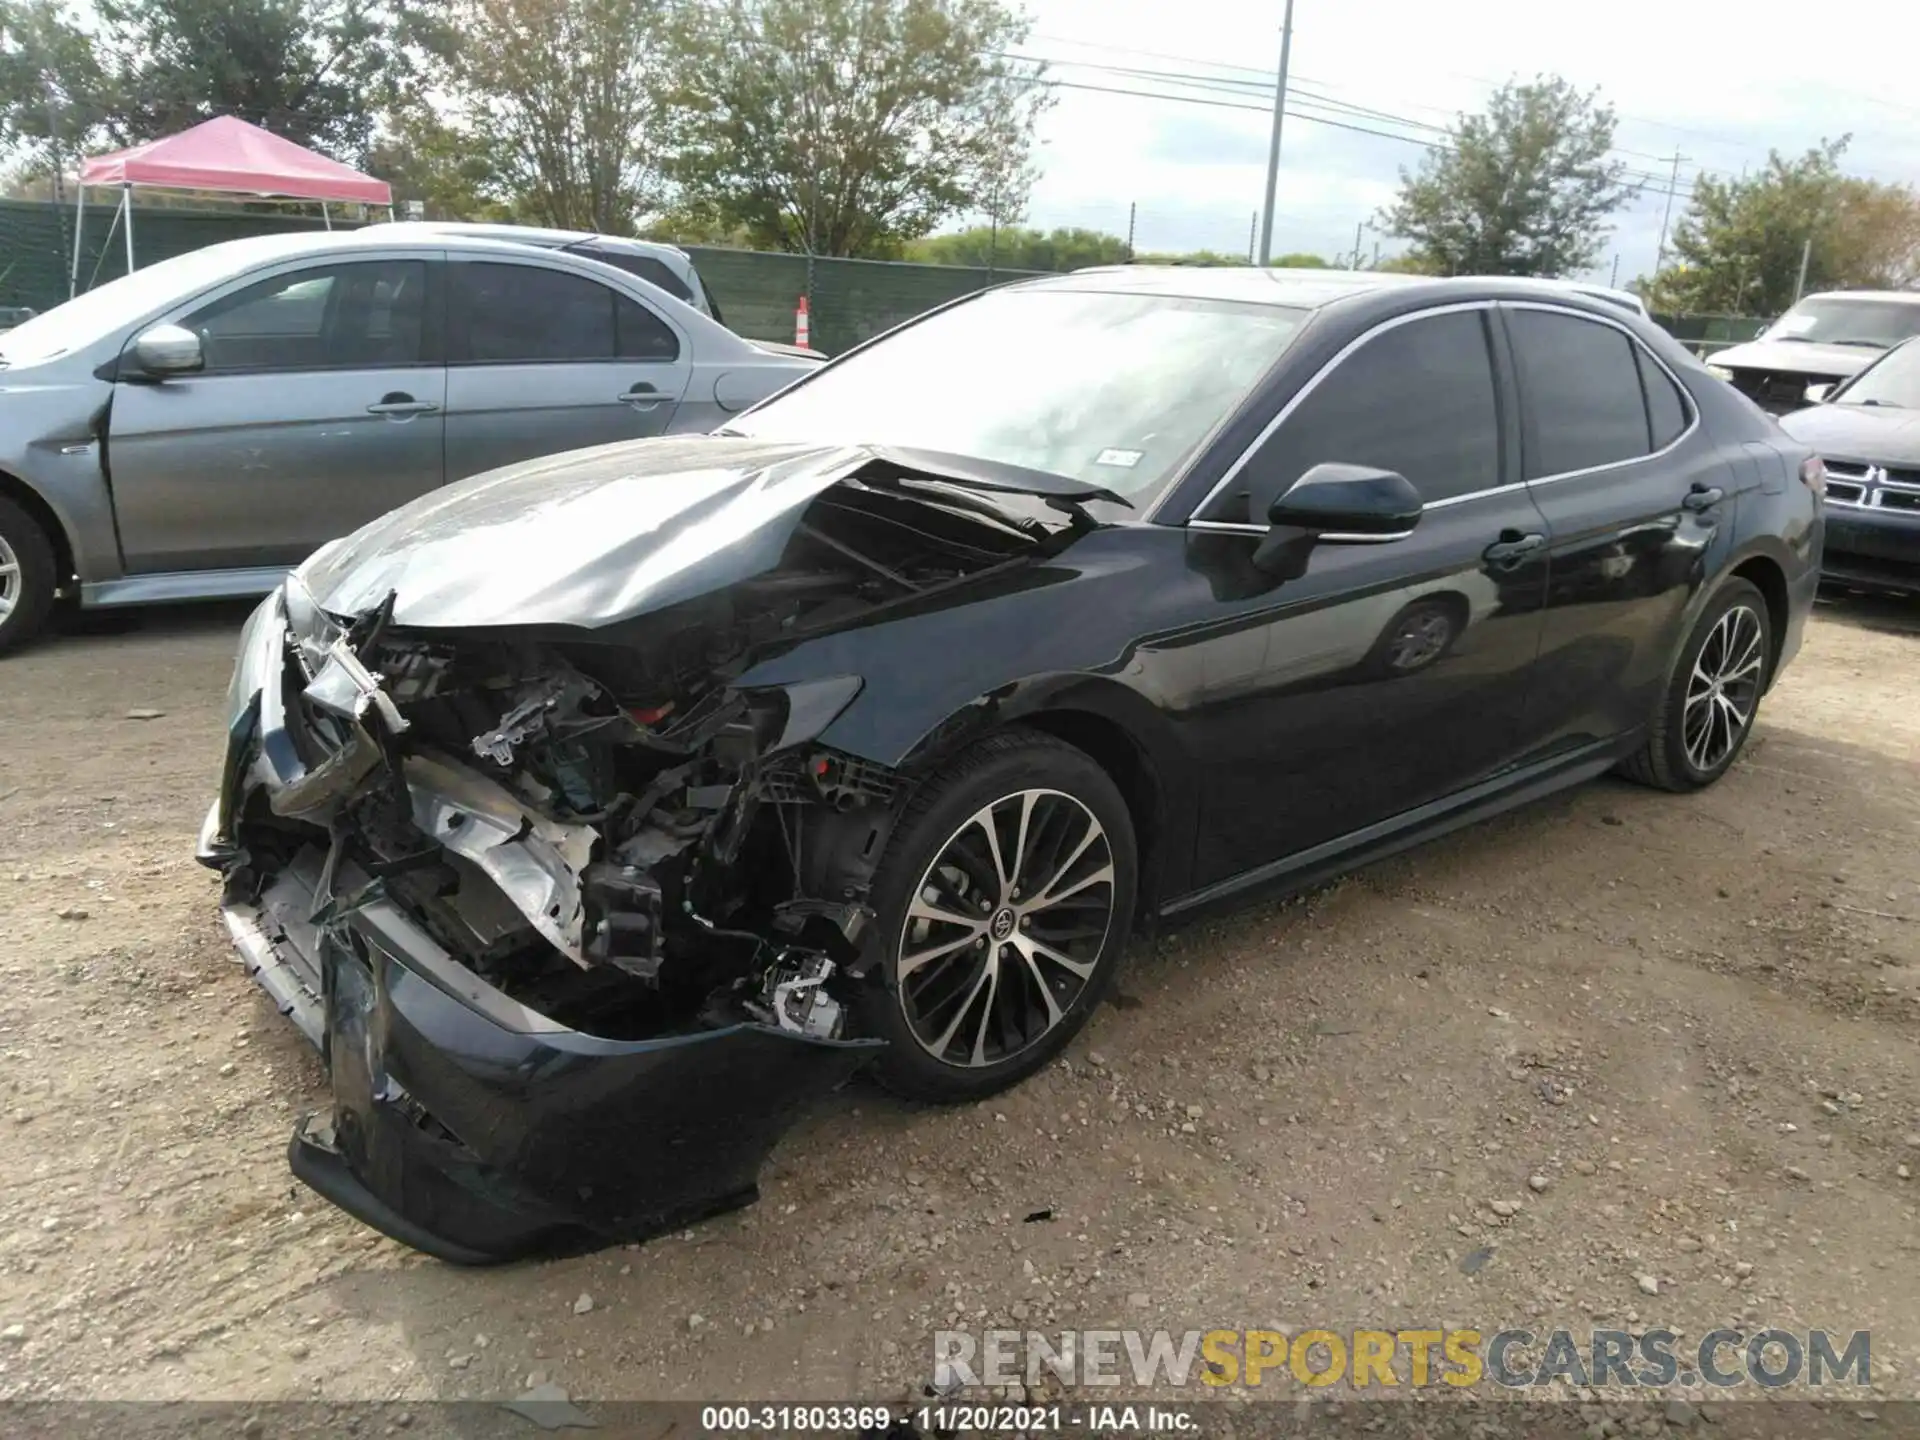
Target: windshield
[86,318]
[1830,321]
[1114,390]
[1894,380]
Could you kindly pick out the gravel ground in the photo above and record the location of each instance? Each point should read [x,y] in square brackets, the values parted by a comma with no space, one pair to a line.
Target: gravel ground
[1674,1039]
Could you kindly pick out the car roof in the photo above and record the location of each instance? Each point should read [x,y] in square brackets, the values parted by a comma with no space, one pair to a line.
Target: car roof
[1316,289]
[530,235]
[1889,297]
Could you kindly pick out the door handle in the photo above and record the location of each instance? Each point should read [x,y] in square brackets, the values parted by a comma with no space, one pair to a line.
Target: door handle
[398,402]
[1703,497]
[1512,547]
[643,396]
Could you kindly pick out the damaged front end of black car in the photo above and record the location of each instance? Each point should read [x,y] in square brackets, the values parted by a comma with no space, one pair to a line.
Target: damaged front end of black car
[570,906]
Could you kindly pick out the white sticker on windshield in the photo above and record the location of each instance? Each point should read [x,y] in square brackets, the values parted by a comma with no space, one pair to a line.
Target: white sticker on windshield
[1125,459]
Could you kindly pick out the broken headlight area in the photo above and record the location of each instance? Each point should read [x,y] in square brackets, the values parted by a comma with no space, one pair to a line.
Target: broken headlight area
[471,863]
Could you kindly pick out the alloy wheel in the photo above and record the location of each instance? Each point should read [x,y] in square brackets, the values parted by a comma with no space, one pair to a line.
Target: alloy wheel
[1723,689]
[1005,928]
[1419,638]
[10,580]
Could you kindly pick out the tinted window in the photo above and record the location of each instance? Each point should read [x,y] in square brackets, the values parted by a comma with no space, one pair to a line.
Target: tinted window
[1666,408]
[524,314]
[361,315]
[648,269]
[1416,399]
[1582,388]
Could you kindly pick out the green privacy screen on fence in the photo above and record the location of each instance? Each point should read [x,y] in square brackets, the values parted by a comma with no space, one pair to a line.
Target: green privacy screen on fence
[757,292]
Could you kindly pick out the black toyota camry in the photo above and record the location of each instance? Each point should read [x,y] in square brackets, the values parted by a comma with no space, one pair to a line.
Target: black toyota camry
[594,815]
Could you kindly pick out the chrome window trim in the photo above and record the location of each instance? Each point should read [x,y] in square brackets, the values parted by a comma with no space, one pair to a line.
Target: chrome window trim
[1293,402]
[1342,537]
[1313,383]
[1686,396]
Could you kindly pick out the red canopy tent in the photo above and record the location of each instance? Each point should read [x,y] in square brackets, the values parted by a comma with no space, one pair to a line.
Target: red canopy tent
[223,154]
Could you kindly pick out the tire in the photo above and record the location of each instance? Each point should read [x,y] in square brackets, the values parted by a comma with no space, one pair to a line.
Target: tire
[1732,640]
[28,576]
[973,1004]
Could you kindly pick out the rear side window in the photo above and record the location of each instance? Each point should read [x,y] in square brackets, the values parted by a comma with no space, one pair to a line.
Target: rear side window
[1666,408]
[1581,384]
[1416,399]
[648,269]
[528,315]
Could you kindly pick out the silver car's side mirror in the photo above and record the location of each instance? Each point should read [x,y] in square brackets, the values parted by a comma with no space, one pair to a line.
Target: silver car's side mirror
[1817,394]
[168,350]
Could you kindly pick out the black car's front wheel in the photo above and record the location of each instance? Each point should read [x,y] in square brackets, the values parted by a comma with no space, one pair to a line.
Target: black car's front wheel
[1707,710]
[1004,902]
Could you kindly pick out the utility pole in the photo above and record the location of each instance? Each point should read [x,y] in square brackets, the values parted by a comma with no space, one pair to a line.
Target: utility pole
[1252,221]
[1358,226]
[1614,280]
[1273,148]
[1806,257]
[1666,215]
[1133,210]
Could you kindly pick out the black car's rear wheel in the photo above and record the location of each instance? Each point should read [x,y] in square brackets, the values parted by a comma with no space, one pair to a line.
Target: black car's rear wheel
[1004,900]
[1707,710]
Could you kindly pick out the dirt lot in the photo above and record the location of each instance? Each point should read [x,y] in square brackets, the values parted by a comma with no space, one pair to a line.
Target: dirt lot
[1694,1020]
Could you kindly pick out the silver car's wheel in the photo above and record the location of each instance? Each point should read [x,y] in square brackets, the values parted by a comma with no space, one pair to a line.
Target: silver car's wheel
[1005,928]
[1723,689]
[10,581]
[1420,638]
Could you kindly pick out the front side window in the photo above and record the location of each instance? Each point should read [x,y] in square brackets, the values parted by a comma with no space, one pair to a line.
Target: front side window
[1416,399]
[504,314]
[370,314]
[1894,381]
[1580,382]
[1107,388]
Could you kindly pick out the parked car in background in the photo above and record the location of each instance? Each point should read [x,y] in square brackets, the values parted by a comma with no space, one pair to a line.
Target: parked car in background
[12,315]
[649,790]
[1823,340]
[1620,299]
[1868,431]
[193,429]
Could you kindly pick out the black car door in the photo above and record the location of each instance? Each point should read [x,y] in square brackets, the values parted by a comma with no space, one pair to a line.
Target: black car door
[1636,497]
[1387,675]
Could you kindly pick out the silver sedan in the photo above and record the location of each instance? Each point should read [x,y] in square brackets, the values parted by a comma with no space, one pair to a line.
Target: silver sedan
[194,429]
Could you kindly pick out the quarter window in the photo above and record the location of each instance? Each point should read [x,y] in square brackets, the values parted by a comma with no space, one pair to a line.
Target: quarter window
[369,315]
[1666,408]
[529,315]
[1416,399]
[1581,384]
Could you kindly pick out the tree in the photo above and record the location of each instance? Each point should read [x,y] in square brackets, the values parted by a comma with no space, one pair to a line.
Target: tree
[1300,260]
[315,71]
[848,127]
[1739,245]
[557,105]
[1015,247]
[1524,188]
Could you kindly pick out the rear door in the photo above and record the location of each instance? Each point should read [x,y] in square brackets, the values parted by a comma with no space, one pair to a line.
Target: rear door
[1637,499]
[318,409]
[543,359]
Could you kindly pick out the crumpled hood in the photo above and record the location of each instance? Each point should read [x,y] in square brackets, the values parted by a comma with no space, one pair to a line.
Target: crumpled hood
[1876,434]
[1796,357]
[586,538]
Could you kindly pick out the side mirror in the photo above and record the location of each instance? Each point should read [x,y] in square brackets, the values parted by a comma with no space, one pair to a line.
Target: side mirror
[1817,394]
[168,350]
[1354,504]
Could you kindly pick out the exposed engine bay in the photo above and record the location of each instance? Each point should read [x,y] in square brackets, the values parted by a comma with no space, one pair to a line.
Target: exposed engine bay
[601,825]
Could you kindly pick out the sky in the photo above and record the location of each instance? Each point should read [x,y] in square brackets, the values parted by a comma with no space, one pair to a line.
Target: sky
[1718,82]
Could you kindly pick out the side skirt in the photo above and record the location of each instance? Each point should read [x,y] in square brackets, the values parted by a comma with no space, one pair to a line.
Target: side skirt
[1415,827]
[181,585]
